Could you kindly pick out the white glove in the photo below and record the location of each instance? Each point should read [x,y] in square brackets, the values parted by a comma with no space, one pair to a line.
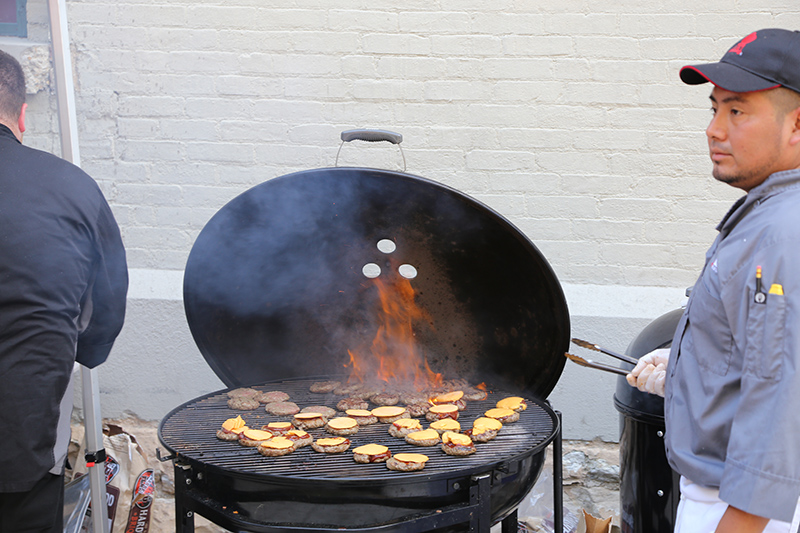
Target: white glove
[650,372]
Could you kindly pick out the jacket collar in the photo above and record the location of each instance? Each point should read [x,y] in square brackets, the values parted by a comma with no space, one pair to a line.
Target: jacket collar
[775,183]
[5,131]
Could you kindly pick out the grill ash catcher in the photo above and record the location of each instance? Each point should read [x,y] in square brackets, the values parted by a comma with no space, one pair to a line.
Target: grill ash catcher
[280,291]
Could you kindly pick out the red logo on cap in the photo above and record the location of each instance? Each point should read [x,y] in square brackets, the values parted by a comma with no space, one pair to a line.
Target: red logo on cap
[744,42]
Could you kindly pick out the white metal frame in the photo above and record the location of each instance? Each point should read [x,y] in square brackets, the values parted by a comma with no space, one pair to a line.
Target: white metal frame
[68,126]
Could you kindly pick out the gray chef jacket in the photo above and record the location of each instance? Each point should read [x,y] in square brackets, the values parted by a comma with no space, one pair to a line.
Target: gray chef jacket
[732,402]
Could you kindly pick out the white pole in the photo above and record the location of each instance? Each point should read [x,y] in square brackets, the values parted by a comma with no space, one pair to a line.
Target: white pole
[65,93]
[68,126]
[94,443]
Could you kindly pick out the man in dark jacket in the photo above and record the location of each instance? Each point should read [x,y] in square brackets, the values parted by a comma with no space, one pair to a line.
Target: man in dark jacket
[63,285]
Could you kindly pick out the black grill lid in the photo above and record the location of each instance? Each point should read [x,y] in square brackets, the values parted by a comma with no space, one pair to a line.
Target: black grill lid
[274,286]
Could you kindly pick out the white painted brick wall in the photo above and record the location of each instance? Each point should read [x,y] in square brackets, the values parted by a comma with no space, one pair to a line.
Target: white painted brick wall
[568,118]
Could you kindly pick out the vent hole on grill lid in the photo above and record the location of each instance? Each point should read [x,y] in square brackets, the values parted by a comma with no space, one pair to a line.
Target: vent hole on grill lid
[371,270]
[387,246]
[407,271]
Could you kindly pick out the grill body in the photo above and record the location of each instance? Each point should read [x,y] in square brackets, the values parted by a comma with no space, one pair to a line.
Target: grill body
[275,292]
[309,490]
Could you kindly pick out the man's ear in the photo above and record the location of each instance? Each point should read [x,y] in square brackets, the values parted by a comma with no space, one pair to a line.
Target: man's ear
[793,119]
[21,121]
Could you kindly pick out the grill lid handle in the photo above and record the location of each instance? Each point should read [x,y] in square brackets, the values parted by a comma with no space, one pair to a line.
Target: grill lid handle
[371,136]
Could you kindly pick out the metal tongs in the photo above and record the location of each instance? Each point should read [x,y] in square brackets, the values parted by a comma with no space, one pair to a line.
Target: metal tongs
[600,366]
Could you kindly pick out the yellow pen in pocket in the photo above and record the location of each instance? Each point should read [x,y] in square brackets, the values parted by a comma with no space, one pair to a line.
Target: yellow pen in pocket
[776,289]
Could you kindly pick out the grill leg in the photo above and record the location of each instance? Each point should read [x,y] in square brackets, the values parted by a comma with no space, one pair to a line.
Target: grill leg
[510,523]
[184,517]
[558,481]
[480,496]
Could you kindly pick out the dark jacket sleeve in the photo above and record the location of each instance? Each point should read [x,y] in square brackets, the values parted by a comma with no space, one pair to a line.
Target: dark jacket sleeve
[103,305]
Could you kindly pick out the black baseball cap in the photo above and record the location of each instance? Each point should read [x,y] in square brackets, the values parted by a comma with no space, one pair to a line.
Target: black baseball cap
[765,59]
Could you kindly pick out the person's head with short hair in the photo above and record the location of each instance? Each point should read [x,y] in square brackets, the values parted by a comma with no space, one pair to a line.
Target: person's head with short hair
[12,94]
[755,129]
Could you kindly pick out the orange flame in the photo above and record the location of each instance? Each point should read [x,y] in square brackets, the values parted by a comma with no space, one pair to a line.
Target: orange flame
[482,387]
[393,356]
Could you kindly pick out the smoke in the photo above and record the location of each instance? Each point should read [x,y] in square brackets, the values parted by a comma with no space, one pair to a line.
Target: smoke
[275,285]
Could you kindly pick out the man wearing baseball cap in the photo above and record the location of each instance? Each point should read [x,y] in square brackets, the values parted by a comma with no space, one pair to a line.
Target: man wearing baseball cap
[731,380]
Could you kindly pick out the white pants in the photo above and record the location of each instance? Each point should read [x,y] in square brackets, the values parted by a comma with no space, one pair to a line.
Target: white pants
[700,511]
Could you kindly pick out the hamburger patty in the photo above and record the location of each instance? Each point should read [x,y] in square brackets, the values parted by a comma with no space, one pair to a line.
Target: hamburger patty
[282,408]
[351,403]
[309,423]
[227,435]
[327,412]
[371,453]
[243,392]
[243,403]
[458,450]
[273,396]
[475,395]
[362,416]
[385,398]
[418,409]
[323,387]
[325,448]
[401,462]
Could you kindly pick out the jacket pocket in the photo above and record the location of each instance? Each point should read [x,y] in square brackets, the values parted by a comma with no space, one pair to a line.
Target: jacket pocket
[766,347]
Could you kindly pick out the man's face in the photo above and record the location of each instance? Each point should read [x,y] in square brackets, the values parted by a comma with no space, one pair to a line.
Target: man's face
[747,138]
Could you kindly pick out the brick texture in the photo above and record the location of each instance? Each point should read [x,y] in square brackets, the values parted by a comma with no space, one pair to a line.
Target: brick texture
[568,118]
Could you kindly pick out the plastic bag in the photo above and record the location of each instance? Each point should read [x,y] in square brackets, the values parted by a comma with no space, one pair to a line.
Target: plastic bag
[536,510]
[130,485]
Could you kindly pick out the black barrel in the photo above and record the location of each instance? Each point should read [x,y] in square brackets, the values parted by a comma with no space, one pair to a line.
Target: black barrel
[649,489]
